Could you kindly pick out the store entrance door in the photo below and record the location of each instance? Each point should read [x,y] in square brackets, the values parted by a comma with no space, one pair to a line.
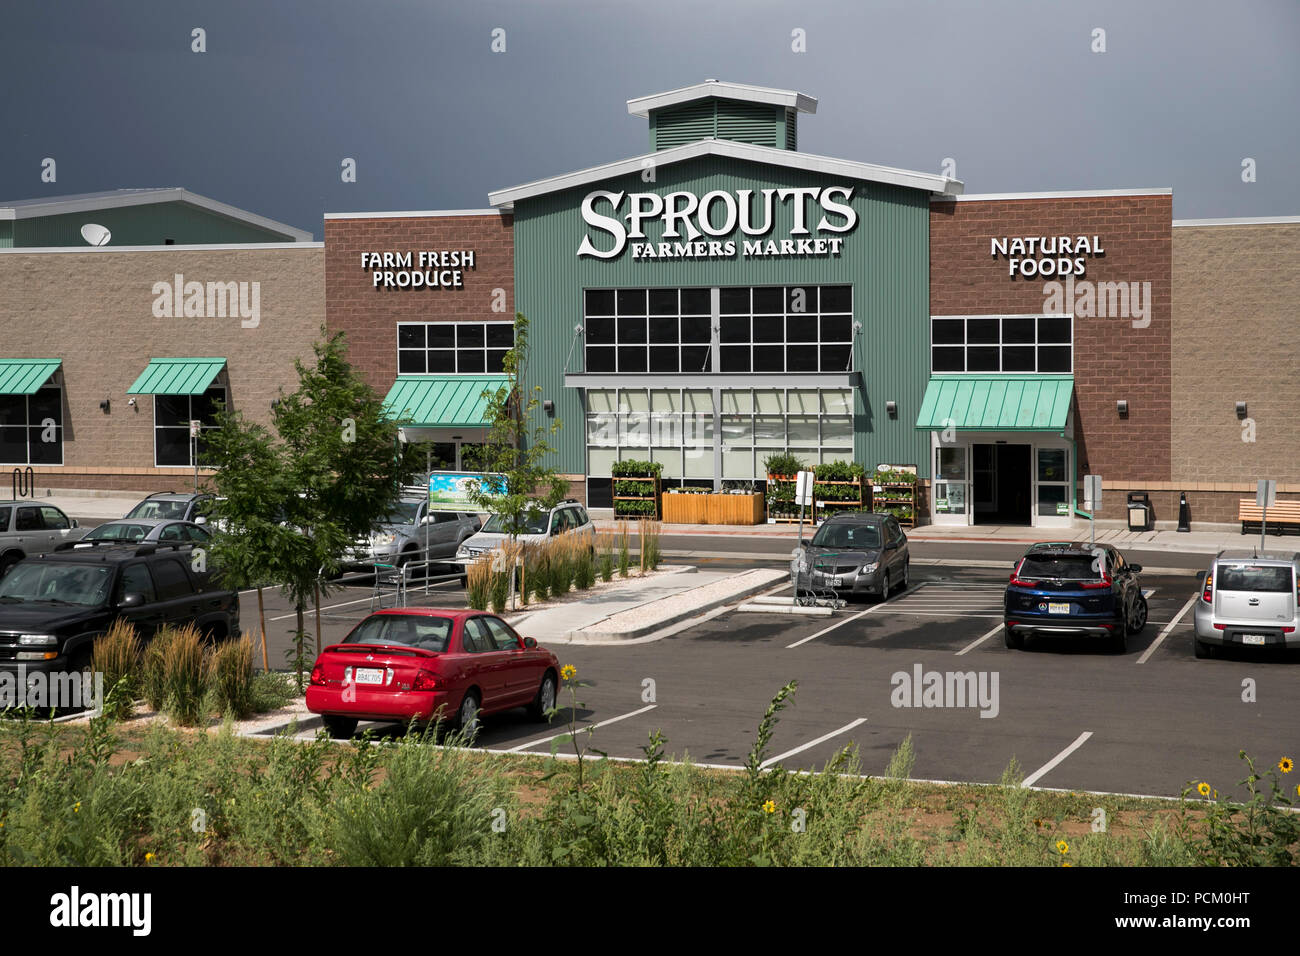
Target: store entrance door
[1003,489]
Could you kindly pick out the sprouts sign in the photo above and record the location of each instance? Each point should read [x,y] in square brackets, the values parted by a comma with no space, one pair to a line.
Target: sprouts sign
[704,227]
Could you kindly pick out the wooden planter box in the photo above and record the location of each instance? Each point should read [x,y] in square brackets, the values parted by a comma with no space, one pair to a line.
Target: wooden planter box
[685,509]
[713,509]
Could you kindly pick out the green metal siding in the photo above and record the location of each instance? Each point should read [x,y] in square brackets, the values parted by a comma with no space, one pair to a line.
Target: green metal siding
[713,118]
[6,234]
[144,225]
[885,259]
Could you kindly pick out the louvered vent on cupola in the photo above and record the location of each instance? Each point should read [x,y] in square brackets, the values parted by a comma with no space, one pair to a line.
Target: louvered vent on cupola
[713,118]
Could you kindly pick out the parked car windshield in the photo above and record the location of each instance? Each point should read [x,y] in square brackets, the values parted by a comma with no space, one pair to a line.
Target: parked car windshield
[117,531]
[1254,577]
[1066,567]
[154,508]
[404,512]
[426,633]
[532,522]
[64,583]
[859,537]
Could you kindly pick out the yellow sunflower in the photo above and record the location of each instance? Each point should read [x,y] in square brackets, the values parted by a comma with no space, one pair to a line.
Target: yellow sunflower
[1285,765]
[148,857]
[1203,789]
[1067,863]
[1062,846]
[769,807]
[568,672]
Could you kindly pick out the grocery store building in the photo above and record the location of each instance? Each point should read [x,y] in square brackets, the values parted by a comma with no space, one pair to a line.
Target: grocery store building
[715,300]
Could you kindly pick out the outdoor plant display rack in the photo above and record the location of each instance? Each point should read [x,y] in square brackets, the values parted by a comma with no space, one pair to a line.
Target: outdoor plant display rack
[832,494]
[895,493]
[638,482]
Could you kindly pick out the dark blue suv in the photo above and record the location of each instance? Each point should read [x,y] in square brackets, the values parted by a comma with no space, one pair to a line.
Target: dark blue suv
[1072,589]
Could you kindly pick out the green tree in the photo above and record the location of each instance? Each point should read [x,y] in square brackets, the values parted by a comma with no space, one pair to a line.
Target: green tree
[517,447]
[295,503]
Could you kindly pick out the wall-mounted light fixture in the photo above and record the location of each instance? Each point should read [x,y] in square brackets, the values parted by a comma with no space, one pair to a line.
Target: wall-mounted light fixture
[104,406]
[1241,409]
[275,403]
[548,406]
[131,402]
[891,409]
[1121,406]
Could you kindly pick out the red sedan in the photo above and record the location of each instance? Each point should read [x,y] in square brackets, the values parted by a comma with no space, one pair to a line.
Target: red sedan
[425,664]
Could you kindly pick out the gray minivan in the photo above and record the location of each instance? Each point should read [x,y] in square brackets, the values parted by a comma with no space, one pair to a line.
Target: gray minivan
[1249,599]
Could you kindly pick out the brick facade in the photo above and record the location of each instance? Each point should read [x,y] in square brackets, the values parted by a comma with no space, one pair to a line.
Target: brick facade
[1112,359]
[369,316]
[94,310]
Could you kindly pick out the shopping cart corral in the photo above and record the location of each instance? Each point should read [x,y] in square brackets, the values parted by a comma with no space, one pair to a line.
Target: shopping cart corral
[814,579]
[393,582]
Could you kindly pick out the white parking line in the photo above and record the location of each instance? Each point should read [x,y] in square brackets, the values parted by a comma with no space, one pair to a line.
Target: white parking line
[827,630]
[1168,627]
[1147,592]
[603,723]
[974,644]
[812,743]
[1033,777]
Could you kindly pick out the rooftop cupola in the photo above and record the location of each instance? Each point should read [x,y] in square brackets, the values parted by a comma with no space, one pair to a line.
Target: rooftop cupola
[719,110]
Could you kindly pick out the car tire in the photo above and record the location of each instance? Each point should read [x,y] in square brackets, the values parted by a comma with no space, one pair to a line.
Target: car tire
[1141,613]
[1011,639]
[467,720]
[545,699]
[902,585]
[340,728]
[1204,651]
[886,587]
[1119,642]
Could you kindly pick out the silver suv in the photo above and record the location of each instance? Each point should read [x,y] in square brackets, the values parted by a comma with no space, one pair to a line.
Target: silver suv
[568,517]
[30,528]
[1249,600]
[409,531]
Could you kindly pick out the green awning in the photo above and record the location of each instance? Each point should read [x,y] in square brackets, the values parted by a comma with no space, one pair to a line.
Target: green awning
[991,403]
[442,401]
[177,376]
[25,376]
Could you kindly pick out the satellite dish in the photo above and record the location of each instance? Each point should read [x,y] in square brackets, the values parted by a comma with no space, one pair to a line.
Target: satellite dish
[95,234]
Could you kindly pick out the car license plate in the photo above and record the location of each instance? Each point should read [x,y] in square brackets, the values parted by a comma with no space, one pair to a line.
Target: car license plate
[1252,638]
[1055,608]
[369,675]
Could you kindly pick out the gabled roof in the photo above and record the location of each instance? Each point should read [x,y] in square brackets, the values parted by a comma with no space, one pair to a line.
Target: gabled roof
[642,105]
[731,149]
[117,198]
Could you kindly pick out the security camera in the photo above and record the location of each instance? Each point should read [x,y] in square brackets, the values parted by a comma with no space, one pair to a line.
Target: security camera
[131,402]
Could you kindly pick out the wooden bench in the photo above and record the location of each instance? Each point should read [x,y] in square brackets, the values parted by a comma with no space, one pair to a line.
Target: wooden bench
[1280,516]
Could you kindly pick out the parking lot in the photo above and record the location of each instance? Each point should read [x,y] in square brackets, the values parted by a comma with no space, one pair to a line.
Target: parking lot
[1071,714]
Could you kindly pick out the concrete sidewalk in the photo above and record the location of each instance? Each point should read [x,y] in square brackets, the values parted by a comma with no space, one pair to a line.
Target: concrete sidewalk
[1194,542]
[639,609]
[103,506]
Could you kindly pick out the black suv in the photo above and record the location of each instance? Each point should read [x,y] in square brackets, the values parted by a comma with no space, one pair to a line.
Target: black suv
[53,606]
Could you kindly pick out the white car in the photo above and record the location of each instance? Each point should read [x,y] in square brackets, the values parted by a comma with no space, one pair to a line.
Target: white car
[568,517]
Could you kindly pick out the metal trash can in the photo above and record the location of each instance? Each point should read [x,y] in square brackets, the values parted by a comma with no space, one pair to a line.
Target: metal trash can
[1139,511]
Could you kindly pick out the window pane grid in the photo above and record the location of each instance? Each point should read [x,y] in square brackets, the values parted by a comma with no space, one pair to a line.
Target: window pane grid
[31,427]
[1030,344]
[446,348]
[760,329]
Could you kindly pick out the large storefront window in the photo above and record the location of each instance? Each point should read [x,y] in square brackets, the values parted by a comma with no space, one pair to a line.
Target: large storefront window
[950,481]
[1010,343]
[31,427]
[450,348]
[172,415]
[760,329]
[676,428]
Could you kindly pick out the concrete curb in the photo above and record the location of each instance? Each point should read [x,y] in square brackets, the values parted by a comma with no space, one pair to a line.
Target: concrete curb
[613,637]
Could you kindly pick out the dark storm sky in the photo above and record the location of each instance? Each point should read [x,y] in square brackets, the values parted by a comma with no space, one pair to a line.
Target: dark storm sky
[287,89]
